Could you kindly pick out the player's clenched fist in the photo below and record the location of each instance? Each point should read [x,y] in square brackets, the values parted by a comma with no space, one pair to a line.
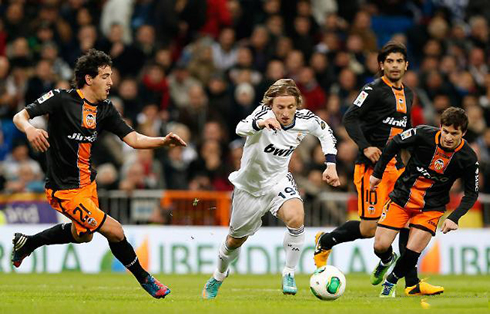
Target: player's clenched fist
[330,176]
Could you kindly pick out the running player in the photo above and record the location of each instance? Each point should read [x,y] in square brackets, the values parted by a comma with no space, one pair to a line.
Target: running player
[263,183]
[439,156]
[75,118]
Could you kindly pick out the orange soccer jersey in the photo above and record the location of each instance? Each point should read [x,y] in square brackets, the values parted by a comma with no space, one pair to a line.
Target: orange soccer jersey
[396,217]
[370,203]
[80,205]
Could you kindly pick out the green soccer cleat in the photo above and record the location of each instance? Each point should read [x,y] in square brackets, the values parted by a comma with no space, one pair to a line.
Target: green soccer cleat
[289,285]
[379,272]
[388,290]
[211,288]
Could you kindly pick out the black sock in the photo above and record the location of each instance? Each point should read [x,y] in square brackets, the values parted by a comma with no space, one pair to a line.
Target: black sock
[125,253]
[349,231]
[386,256]
[59,234]
[406,262]
[411,278]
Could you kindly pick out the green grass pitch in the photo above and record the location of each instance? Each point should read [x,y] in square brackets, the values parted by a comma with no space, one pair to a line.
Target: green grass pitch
[119,293]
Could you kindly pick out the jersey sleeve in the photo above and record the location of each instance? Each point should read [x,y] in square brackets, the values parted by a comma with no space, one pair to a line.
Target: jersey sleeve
[115,123]
[248,126]
[403,140]
[471,180]
[46,104]
[324,133]
[352,117]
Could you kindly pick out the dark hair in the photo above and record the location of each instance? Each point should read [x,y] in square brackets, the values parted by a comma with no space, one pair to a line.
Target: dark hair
[89,64]
[391,47]
[456,117]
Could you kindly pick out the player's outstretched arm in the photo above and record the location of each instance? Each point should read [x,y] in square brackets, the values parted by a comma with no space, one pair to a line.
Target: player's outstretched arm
[140,141]
[37,137]
[330,175]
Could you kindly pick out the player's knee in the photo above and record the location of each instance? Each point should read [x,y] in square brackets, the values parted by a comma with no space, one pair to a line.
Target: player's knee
[234,243]
[116,233]
[296,221]
[380,247]
[84,238]
[369,233]
[368,230]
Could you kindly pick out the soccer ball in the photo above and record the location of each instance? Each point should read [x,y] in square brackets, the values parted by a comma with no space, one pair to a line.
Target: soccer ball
[327,283]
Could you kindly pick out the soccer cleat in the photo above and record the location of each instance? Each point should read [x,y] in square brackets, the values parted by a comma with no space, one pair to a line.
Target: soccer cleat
[320,256]
[211,288]
[155,288]
[379,272]
[388,290]
[423,288]
[289,285]
[20,250]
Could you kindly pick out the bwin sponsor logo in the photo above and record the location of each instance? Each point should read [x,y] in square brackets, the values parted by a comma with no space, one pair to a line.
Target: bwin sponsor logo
[278,152]
[394,122]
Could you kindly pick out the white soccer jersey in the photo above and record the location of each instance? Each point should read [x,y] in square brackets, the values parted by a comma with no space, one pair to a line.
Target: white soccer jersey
[267,153]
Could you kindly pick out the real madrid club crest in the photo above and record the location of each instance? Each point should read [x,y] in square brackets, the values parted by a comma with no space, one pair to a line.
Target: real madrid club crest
[298,138]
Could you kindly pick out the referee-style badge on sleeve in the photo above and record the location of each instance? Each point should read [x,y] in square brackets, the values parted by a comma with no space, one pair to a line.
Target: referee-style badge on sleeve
[360,99]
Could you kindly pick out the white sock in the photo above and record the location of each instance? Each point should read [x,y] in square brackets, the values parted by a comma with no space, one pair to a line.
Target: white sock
[294,238]
[225,257]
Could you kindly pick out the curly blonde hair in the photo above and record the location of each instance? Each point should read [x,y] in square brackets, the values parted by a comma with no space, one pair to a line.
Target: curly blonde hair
[282,87]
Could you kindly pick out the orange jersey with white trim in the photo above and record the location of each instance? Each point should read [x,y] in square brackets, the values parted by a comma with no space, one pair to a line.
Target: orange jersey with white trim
[73,126]
[431,171]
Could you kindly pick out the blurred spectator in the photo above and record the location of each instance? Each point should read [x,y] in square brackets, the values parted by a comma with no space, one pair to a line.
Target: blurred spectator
[202,66]
[128,92]
[313,95]
[25,180]
[107,177]
[224,51]
[209,165]
[154,88]
[218,16]
[41,83]
[61,69]
[176,169]
[179,84]
[117,12]
[18,156]
[145,41]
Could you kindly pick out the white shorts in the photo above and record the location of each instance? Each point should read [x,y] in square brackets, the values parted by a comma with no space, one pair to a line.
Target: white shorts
[247,210]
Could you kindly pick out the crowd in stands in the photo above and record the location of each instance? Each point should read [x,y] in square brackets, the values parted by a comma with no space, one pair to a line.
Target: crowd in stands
[197,67]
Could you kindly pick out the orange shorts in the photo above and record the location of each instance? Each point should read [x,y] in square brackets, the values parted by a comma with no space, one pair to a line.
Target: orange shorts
[80,205]
[370,203]
[396,217]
